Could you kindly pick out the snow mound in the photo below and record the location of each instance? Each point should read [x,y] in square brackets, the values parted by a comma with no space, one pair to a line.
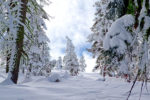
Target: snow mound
[54,77]
[7,82]
[65,75]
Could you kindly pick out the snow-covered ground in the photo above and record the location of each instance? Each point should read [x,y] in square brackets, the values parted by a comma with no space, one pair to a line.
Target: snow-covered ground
[86,86]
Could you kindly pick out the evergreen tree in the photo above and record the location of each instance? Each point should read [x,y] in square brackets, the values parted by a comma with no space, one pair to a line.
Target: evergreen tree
[17,17]
[107,11]
[58,63]
[123,47]
[70,59]
[82,64]
[53,63]
[133,39]
[16,26]
[36,44]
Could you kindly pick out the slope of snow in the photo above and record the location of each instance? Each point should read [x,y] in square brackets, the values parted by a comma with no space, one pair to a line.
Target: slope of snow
[86,86]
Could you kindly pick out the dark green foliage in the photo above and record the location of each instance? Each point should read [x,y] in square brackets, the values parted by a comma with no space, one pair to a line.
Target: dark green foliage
[142,23]
[130,29]
[147,4]
[140,2]
[147,7]
[127,43]
[148,12]
[131,7]
[147,33]
[110,54]
[139,72]
[115,9]
[126,2]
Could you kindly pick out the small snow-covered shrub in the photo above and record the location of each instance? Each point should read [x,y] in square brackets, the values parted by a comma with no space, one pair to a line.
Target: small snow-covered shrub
[55,77]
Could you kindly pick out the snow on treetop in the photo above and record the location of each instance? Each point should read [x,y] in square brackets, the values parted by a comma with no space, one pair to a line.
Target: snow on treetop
[118,34]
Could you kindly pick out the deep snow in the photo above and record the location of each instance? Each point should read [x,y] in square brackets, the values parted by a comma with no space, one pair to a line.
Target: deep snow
[86,86]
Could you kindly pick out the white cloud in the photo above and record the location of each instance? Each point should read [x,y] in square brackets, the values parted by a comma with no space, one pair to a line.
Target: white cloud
[72,18]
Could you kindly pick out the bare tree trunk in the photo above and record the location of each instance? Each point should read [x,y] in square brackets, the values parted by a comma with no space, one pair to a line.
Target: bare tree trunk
[19,42]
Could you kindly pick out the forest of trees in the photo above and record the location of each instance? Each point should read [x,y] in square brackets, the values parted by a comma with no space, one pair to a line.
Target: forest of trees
[120,40]
[24,44]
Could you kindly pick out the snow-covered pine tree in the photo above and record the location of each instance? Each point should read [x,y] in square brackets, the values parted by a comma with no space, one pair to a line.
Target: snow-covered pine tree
[4,46]
[58,65]
[141,14]
[125,45]
[126,41]
[45,56]
[132,38]
[118,40]
[82,64]
[36,44]
[107,11]
[53,63]
[15,24]
[70,59]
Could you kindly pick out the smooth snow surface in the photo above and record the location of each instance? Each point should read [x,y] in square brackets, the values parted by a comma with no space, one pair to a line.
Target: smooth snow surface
[86,86]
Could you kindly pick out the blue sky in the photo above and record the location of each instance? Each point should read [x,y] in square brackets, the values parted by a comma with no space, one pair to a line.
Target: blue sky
[72,18]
